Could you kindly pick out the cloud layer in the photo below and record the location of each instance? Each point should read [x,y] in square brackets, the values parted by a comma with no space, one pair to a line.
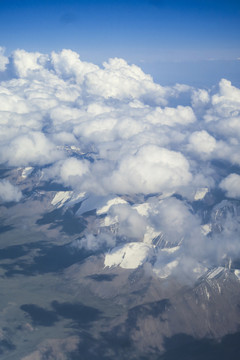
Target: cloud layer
[112,131]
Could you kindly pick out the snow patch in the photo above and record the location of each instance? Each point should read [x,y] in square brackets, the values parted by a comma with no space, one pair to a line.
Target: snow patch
[62,197]
[150,234]
[171,250]
[215,272]
[207,293]
[237,273]
[200,193]
[109,221]
[75,148]
[27,171]
[166,195]
[99,203]
[206,229]
[142,209]
[114,201]
[129,256]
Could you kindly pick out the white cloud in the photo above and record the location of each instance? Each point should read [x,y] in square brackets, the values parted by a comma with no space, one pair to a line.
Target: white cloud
[12,102]
[151,169]
[27,63]
[122,81]
[9,192]
[202,142]
[171,116]
[3,59]
[175,220]
[68,65]
[130,223]
[200,98]
[231,184]
[226,92]
[223,117]
[69,172]
[31,148]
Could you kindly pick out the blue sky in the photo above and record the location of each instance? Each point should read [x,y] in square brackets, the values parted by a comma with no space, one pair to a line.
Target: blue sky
[150,33]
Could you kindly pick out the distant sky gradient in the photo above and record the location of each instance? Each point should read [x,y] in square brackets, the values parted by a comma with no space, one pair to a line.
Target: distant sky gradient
[181,40]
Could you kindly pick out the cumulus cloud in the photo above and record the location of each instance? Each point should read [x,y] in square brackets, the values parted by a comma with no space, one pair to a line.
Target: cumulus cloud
[68,65]
[223,117]
[9,192]
[28,149]
[200,97]
[231,184]
[68,172]
[172,116]
[151,169]
[26,64]
[120,81]
[202,142]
